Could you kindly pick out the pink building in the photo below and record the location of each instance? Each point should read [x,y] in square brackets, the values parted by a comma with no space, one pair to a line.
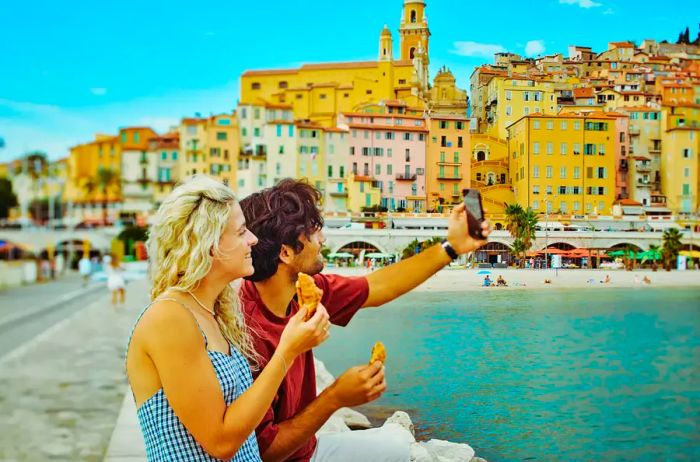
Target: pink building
[391,149]
[622,154]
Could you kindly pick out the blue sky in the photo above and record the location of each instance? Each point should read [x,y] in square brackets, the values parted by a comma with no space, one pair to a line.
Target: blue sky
[74,68]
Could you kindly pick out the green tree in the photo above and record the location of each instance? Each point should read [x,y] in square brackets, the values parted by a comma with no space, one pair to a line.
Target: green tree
[131,235]
[655,249]
[521,224]
[106,178]
[8,199]
[671,247]
[410,249]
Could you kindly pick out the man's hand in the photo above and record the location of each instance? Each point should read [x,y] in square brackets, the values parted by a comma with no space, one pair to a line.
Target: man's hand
[458,231]
[359,385]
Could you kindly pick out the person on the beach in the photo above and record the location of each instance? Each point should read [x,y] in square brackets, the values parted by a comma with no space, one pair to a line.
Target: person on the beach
[646,280]
[487,281]
[501,282]
[288,223]
[607,279]
[188,357]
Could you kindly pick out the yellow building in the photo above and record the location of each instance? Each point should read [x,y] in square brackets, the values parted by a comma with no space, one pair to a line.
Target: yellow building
[85,160]
[165,150]
[319,92]
[680,138]
[448,161]
[363,191]
[445,97]
[490,173]
[563,164]
[508,98]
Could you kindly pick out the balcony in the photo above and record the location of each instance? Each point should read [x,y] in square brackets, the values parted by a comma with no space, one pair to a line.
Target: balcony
[634,131]
[623,165]
[260,150]
[643,167]
[453,164]
[450,178]
[404,177]
[644,183]
[339,194]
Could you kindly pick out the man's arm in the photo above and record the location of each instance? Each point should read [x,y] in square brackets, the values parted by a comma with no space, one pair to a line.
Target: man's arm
[358,385]
[295,432]
[395,280]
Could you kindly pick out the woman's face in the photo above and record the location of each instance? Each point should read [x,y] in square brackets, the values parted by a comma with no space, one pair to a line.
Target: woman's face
[234,258]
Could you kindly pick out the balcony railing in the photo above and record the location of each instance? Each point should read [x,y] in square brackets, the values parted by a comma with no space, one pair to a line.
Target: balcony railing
[642,167]
[454,178]
[339,193]
[405,177]
[634,131]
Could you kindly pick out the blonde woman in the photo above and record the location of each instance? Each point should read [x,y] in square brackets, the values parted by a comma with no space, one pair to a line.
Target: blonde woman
[188,357]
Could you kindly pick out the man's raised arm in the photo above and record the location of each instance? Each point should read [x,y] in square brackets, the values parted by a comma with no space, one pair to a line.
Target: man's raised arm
[391,282]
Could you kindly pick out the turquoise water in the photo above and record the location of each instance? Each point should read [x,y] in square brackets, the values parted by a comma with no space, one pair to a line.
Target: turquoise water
[610,374]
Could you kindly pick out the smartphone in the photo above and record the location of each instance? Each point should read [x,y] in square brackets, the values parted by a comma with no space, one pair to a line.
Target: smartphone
[475,212]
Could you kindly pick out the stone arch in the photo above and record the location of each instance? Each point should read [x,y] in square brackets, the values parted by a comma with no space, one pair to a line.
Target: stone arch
[561,245]
[491,178]
[558,243]
[359,244]
[480,152]
[621,245]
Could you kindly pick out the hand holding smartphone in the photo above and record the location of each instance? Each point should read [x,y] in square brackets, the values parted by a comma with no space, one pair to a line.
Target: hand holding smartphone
[475,212]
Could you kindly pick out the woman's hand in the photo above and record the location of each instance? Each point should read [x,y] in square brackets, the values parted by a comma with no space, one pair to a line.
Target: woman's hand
[300,336]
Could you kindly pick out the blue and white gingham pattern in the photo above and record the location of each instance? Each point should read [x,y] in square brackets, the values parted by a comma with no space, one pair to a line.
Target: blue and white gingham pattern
[166,438]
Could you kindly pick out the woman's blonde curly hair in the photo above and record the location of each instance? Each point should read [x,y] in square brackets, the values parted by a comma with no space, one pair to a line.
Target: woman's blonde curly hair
[182,243]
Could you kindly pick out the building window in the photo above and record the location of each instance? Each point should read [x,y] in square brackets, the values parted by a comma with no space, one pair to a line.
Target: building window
[536,124]
[536,147]
[550,125]
[255,86]
[550,148]
[563,125]
[562,173]
[549,171]
[283,84]
[536,171]
[563,148]
[221,136]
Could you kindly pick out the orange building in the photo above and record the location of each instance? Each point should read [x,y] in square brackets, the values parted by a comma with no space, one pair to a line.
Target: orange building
[448,164]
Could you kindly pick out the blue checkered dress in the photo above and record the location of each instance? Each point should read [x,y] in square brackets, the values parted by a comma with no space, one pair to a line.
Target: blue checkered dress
[167,439]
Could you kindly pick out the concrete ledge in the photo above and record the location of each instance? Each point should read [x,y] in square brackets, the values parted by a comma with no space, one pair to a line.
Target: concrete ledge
[126,444]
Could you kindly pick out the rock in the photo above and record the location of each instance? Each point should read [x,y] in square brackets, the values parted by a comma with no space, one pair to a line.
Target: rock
[421,454]
[444,450]
[353,419]
[401,418]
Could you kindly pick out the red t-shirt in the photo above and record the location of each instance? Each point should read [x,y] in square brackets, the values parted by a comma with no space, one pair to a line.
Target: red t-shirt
[342,297]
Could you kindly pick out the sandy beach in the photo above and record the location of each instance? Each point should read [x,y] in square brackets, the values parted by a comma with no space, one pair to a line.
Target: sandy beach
[460,279]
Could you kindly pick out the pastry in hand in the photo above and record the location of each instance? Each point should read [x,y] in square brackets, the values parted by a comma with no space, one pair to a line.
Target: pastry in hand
[378,353]
[308,295]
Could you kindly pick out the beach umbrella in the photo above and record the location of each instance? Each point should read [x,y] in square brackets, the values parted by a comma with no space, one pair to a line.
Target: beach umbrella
[484,272]
[690,253]
[378,255]
[340,255]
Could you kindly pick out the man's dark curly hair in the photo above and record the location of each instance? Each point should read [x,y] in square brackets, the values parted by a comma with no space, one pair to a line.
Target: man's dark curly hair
[279,215]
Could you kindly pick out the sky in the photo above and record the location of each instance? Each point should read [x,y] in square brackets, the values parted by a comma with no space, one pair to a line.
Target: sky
[71,69]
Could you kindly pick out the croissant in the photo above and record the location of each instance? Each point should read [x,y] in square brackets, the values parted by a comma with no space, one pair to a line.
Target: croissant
[378,353]
[308,294]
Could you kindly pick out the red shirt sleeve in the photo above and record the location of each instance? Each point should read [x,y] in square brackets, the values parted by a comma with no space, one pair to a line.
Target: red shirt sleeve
[342,296]
[267,430]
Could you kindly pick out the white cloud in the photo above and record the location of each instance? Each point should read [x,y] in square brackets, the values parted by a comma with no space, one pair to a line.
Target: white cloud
[581,3]
[534,47]
[609,11]
[484,50]
[98,91]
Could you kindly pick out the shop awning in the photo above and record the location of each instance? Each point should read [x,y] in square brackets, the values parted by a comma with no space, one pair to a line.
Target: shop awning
[663,225]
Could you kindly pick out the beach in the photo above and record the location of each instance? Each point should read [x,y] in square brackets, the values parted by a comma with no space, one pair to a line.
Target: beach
[461,279]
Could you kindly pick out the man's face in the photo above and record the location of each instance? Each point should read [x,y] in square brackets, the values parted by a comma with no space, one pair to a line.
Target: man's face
[310,260]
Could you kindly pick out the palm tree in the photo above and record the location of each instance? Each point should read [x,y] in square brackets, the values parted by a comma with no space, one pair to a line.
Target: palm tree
[655,250]
[671,247]
[513,213]
[521,224]
[89,187]
[106,178]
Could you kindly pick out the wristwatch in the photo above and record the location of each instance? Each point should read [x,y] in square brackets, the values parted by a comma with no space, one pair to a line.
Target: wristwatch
[449,249]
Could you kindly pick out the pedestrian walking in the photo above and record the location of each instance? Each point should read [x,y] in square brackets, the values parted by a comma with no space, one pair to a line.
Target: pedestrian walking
[115,281]
[85,269]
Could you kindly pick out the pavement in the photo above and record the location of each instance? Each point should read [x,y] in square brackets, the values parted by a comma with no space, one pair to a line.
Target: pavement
[63,389]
